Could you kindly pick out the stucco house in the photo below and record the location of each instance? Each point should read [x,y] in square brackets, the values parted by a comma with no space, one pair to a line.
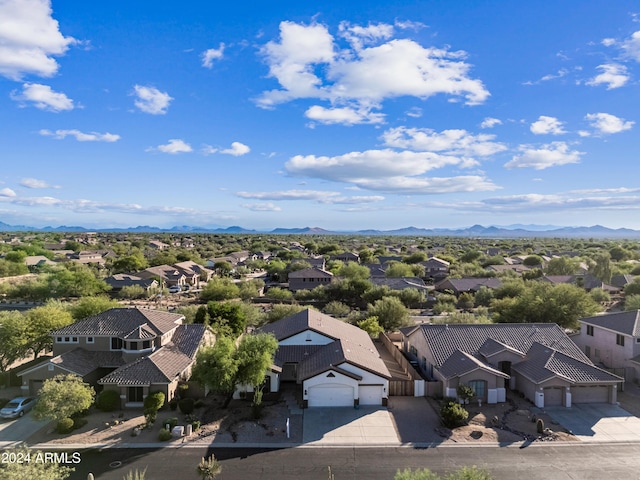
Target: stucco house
[467,285]
[133,351]
[120,280]
[539,360]
[309,278]
[335,363]
[613,340]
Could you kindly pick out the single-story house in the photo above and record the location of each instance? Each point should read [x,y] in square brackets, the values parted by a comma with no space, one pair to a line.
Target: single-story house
[537,359]
[121,280]
[335,363]
[467,285]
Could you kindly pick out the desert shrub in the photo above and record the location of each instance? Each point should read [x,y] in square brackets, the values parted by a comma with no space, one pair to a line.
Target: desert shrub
[152,403]
[173,405]
[186,405]
[172,422]
[453,414]
[108,400]
[65,425]
[79,423]
[164,435]
[183,388]
[196,425]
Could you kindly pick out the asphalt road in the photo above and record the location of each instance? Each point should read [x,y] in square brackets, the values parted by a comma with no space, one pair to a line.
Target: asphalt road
[557,462]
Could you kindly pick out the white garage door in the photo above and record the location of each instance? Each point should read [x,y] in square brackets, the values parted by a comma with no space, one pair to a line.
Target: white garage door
[330,395]
[596,394]
[370,394]
[553,396]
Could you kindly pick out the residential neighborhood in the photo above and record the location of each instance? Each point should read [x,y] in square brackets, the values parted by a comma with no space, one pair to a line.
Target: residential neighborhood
[323,341]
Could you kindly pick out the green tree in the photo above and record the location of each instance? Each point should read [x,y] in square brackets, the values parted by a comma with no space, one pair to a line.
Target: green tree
[219,289]
[279,294]
[131,292]
[410,297]
[599,295]
[223,268]
[464,473]
[632,302]
[35,469]
[470,256]
[130,263]
[14,343]
[632,288]
[250,288]
[88,306]
[41,321]
[562,266]
[74,280]
[371,326]
[619,254]
[466,301]
[532,261]
[227,318]
[336,309]
[391,313]
[63,396]
[223,366]
[17,256]
[541,302]
[415,257]
[602,268]
[11,269]
[353,270]
[277,270]
[483,297]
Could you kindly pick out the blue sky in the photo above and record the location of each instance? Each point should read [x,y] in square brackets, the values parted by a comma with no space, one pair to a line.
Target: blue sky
[342,115]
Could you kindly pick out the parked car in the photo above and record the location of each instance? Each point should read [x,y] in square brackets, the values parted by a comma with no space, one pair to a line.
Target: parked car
[175,289]
[17,407]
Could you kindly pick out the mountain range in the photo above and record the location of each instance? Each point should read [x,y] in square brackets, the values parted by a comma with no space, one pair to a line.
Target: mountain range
[511,231]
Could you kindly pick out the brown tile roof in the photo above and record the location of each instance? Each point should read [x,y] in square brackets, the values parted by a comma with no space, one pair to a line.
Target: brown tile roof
[443,340]
[119,322]
[339,352]
[543,363]
[627,323]
[82,362]
[163,365]
[460,363]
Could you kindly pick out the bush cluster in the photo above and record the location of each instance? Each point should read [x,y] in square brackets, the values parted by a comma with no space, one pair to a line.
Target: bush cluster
[453,414]
[108,400]
[164,435]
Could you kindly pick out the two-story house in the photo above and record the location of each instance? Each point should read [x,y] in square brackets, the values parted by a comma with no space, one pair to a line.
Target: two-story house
[613,340]
[309,278]
[133,351]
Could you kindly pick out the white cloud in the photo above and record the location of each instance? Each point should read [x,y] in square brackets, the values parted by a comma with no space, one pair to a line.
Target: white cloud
[29,39]
[35,183]
[560,73]
[175,145]
[7,192]
[208,56]
[307,63]
[606,123]
[237,149]
[344,116]
[490,122]
[631,46]
[414,112]
[359,36]
[547,126]
[151,100]
[551,155]
[208,150]
[608,42]
[352,200]
[453,142]
[288,195]
[81,136]
[429,186]
[261,207]
[613,76]
[43,97]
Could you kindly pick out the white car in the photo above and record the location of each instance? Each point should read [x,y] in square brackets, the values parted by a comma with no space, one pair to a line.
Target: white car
[175,289]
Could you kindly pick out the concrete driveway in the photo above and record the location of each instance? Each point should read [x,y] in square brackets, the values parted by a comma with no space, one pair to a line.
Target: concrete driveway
[13,432]
[330,426]
[598,422]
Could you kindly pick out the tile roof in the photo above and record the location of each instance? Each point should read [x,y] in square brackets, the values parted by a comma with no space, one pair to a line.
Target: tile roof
[163,365]
[469,284]
[119,322]
[295,353]
[460,363]
[627,323]
[313,272]
[351,344]
[399,283]
[443,340]
[543,363]
[492,347]
[82,362]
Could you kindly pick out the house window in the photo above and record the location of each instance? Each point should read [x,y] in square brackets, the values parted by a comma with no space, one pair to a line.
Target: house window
[637,340]
[479,387]
[587,351]
[620,340]
[116,343]
[90,340]
[135,394]
[146,344]
[66,339]
[590,330]
[133,345]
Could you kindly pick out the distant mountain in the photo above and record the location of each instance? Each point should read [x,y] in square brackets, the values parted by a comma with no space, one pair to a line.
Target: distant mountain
[479,231]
